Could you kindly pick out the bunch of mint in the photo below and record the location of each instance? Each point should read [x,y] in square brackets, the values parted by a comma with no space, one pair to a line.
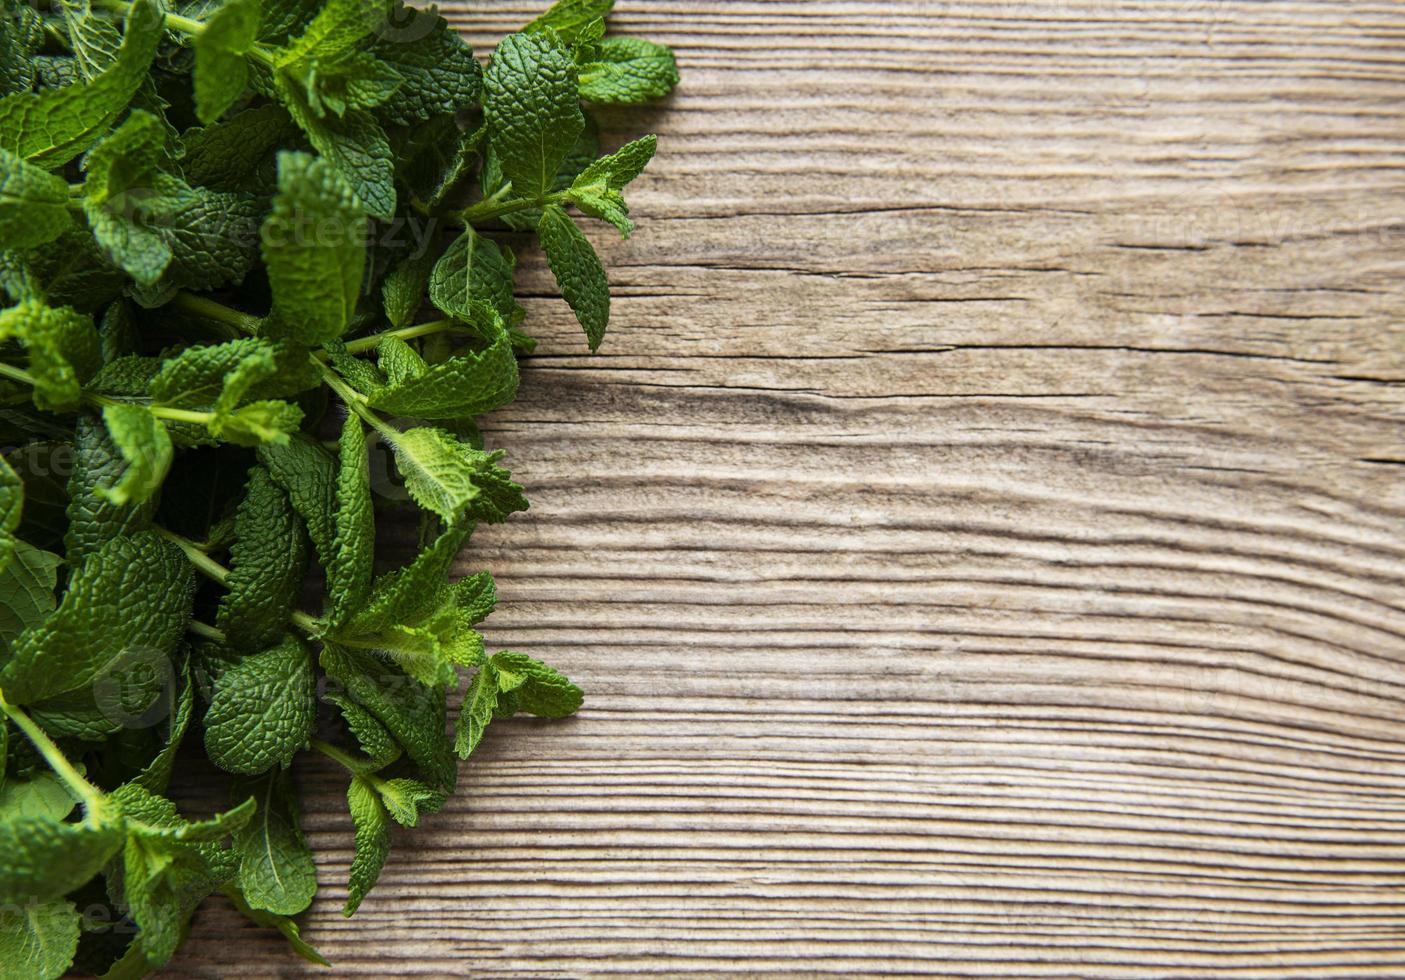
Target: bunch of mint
[251,306]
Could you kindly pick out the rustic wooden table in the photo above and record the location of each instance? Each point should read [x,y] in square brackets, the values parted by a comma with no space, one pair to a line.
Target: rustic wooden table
[982,537]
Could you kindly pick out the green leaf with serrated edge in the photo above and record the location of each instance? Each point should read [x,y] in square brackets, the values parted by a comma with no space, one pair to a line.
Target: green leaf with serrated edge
[133,591]
[479,702]
[449,478]
[578,272]
[264,709]
[220,377]
[628,71]
[145,446]
[569,18]
[473,269]
[94,40]
[43,796]
[349,574]
[11,508]
[157,773]
[33,204]
[50,128]
[306,473]
[221,73]
[42,859]
[354,144]
[412,713]
[38,940]
[596,191]
[439,71]
[63,350]
[371,735]
[338,26]
[406,799]
[276,873]
[314,242]
[408,594]
[403,289]
[257,422]
[372,841]
[93,520]
[540,689]
[356,372]
[267,563]
[398,361]
[236,153]
[125,159]
[532,110]
[476,595]
[469,383]
[26,590]
[163,878]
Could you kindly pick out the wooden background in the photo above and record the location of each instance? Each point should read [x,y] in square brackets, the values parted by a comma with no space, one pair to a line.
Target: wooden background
[982,535]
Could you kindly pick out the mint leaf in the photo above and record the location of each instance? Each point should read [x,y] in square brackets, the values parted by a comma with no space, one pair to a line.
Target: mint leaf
[38,940]
[474,270]
[596,191]
[372,841]
[354,144]
[539,689]
[268,560]
[33,204]
[305,472]
[63,350]
[571,18]
[414,714]
[93,519]
[26,590]
[628,71]
[42,859]
[314,244]
[532,110]
[480,702]
[276,873]
[50,128]
[349,574]
[145,446]
[439,71]
[220,70]
[578,272]
[450,478]
[132,591]
[468,383]
[263,710]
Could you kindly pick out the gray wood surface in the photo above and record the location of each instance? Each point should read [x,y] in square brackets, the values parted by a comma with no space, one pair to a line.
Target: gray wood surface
[981,535]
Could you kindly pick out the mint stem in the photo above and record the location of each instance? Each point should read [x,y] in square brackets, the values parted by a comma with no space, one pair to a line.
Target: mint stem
[91,796]
[347,761]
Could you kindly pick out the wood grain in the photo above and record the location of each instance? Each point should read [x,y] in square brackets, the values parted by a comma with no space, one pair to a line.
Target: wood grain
[981,536]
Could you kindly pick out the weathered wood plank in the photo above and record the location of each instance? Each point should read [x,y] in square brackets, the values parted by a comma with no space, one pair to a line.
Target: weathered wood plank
[980,536]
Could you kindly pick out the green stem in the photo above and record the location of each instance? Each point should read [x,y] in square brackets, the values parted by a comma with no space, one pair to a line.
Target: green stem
[498,204]
[90,795]
[347,761]
[357,403]
[185,25]
[211,310]
[363,344]
[203,563]
[17,374]
[206,630]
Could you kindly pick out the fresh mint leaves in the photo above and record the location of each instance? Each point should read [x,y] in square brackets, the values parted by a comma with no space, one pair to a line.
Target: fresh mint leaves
[257,287]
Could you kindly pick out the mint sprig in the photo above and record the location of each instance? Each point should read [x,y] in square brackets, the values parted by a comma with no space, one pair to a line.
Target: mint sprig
[256,297]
